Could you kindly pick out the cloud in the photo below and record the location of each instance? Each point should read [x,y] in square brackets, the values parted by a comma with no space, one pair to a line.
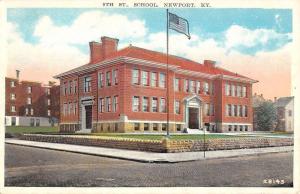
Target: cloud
[89,26]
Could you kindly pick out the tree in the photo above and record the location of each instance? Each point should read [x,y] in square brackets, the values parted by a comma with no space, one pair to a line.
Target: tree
[265,116]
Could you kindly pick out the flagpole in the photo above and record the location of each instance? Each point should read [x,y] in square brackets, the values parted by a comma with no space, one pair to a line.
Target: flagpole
[167,96]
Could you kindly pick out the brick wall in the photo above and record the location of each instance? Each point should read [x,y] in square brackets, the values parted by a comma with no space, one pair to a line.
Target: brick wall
[163,145]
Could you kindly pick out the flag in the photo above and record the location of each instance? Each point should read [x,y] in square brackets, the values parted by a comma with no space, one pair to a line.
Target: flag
[179,24]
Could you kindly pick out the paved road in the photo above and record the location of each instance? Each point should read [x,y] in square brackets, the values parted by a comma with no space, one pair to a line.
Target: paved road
[26,166]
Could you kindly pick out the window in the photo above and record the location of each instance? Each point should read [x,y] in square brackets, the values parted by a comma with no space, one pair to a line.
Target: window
[13,108]
[100,80]
[177,107]
[178,127]
[241,127]
[240,110]
[75,86]
[198,87]
[155,127]
[246,111]
[227,89]
[75,108]
[12,96]
[29,89]
[232,90]
[48,113]
[246,127]
[153,79]
[135,104]
[101,104]
[235,110]
[206,88]
[290,113]
[32,122]
[64,87]
[108,79]
[29,100]
[176,84]
[244,91]
[162,80]
[65,108]
[48,102]
[229,127]
[70,108]
[235,127]
[115,103]
[31,111]
[146,126]
[154,104]
[26,111]
[70,86]
[206,109]
[136,126]
[115,76]
[145,78]
[87,84]
[163,105]
[211,110]
[108,104]
[145,104]
[192,86]
[239,91]
[163,126]
[48,91]
[186,85]
[12,84]
[135,76]
[229,110]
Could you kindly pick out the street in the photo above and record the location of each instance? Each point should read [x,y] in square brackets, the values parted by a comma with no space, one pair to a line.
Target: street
[27,166]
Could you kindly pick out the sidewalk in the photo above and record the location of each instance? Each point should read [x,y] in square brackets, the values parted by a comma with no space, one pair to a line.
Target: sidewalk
[149,156]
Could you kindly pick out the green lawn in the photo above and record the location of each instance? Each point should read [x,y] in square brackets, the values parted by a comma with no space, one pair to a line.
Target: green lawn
[159,136]
[20,129]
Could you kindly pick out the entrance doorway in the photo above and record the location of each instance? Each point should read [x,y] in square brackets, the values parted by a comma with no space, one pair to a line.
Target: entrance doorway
[193,118]
[88,117]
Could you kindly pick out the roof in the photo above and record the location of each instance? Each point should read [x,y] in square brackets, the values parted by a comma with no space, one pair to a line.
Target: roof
[283,101]
[154,56]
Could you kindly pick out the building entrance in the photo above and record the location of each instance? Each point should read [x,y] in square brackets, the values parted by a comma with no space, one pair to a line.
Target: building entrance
[193,118]
[88,117]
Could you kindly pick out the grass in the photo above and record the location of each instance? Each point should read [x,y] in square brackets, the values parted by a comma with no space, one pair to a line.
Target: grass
[20,129]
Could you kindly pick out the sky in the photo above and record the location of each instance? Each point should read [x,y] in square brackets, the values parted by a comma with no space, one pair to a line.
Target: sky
[253,42]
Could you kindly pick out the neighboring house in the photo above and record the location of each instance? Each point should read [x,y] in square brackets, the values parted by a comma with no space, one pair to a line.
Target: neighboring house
[125,91]
[285,113]
[257,100]
[29,103]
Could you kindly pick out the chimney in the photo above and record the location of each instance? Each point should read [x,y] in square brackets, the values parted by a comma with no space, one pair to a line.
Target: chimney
[209,63]
[95,52]
[109,45]
[18,74]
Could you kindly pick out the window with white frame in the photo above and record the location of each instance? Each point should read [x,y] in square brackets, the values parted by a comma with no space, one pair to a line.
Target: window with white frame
[65,88]
[12,84]
[48,91]
[70,86]
[135,76]
[145,78]
[31,111]
[233,90]
[206,109]
[115,76]
[198,87]
[100,80]
[162,80]
[177,107]
[235,110]
[238,110]
[211,109]
[244,91]
[108,104]
[154,104]
[206,88]
[75,86]
[176,84]
[227,89]
[29,101]
[230,110]
[26,111]
[115,103]
[13,108]
[29,89]
[48,102]
[88,84]
[49,113]
[227,110]
[163,105]
[192,86]
[145,104]
[241,110]
[101,105]
[239,91]
[70,110]
[186,85]
[13,96]
[153,79]
[246,111]
[108,78]
[75,107]
[135,104]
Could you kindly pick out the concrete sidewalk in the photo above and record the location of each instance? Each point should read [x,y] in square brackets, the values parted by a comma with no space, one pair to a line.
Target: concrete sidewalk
[149,156]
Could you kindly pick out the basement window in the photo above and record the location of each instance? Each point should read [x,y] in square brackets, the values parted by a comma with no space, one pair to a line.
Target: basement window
[136,126]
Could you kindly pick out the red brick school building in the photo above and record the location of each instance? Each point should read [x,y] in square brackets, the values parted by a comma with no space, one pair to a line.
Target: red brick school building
[125,91]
